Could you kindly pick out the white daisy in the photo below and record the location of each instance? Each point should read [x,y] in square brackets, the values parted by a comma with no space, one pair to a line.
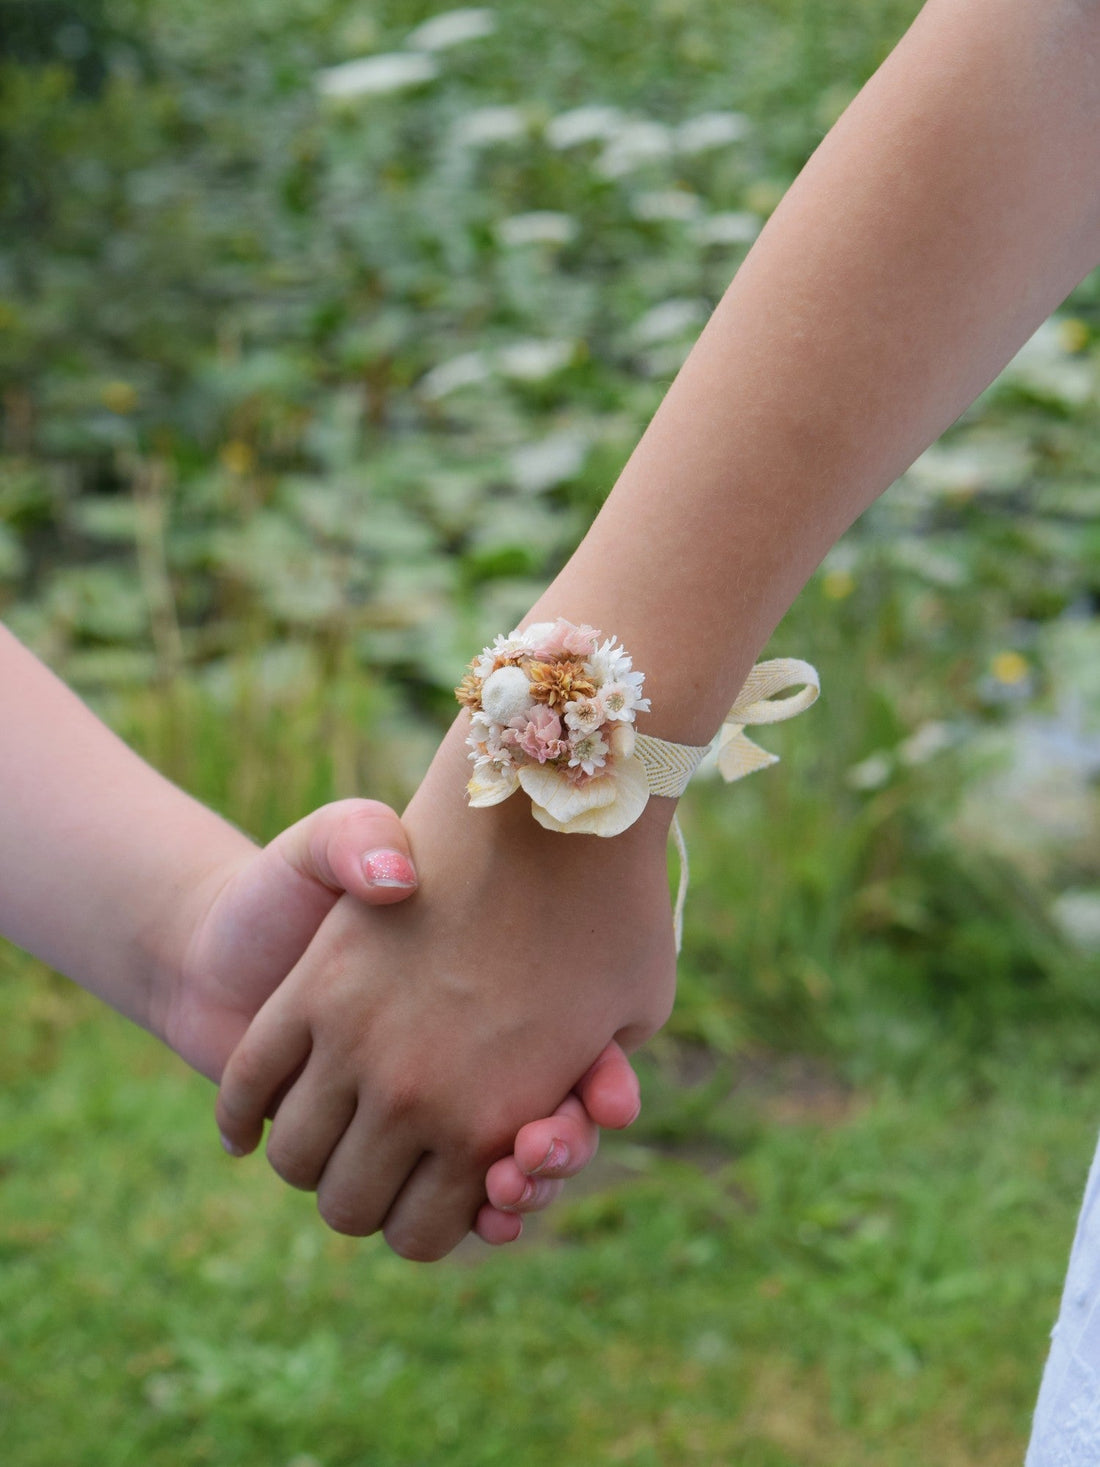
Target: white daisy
[588,753]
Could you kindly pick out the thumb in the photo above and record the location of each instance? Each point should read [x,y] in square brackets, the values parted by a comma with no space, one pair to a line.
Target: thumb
[357,846]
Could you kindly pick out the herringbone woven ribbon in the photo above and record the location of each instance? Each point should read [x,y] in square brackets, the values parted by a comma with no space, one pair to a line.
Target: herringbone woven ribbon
[669,766]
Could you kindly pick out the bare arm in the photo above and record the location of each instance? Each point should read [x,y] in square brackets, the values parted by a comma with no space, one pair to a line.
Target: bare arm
[951,208]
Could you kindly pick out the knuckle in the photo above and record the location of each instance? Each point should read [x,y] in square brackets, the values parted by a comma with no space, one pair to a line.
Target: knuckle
[344,1215]
[287,1162]
[415,1246]
[402,1098]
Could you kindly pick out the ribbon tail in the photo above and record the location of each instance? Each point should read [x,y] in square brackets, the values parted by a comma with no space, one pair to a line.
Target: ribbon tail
[738,755]
[682,889]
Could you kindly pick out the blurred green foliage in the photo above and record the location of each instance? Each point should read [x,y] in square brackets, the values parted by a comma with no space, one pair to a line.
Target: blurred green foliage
[309,379]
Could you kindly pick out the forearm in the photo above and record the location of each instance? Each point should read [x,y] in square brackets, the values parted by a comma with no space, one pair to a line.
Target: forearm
[101,859]
[948,212]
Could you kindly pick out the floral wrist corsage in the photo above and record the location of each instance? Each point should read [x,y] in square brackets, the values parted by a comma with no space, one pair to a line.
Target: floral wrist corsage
[552,712]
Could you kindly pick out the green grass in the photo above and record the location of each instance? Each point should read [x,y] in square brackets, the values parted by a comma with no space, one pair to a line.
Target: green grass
[814,1274]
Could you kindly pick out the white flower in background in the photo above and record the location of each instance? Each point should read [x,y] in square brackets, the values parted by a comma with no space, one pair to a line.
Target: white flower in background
[712,130]
[670,203]
[735,227]
[558,458]
[914,553]
[485,126]
[926,742]
[635,143]
[530,361]
[541,226]
[670,318]
[375,75]
[451,28]
[971,467]
[463,371]
[583,125]
[870,773]
[1077,915]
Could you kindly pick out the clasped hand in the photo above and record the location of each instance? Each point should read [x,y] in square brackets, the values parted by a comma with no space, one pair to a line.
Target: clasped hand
[407,1048]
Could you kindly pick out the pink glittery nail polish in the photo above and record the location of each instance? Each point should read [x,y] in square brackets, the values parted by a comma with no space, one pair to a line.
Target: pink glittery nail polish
[389,868]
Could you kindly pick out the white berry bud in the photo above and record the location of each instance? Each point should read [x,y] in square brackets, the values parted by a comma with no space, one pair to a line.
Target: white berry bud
[505,694]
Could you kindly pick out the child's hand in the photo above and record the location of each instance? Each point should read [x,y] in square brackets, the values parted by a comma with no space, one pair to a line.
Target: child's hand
[259,917]
[408,1047]
[256,917]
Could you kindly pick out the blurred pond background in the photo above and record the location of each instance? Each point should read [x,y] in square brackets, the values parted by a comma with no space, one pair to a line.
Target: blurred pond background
[324,329]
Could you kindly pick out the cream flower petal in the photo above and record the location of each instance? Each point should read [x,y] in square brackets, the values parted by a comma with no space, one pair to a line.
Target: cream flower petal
[630,797]
[560,797]
[488,787]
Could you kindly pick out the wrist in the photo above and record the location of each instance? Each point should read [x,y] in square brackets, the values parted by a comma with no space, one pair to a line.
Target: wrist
[173,932]
[510,825]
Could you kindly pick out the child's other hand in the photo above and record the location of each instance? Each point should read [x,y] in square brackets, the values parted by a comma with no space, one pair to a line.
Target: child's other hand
[259,918]
[546,1152]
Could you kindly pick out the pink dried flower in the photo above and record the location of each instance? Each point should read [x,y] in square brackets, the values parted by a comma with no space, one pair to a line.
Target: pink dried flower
[537,734]
[563,639]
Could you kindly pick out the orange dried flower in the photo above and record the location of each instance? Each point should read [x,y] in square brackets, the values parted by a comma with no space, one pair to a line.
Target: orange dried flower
[558,683]
[468,691]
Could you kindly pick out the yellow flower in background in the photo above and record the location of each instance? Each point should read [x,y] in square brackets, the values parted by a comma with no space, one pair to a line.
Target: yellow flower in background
[1010,668]
[1073,335]
[118,396]
[237,457]
[838,584]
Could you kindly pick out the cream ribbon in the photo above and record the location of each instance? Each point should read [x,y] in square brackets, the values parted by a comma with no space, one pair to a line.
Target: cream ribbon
[669,766]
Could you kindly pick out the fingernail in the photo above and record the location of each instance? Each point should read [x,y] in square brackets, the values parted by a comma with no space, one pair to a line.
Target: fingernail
[389,868]
[557,1155]
[525,1196]
[230,1146]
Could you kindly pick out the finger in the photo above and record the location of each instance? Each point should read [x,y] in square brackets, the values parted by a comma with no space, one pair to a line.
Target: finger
[273,1049]
[307,1127]
[559,1146]
[435,1209]
[497,1228]
[365,1172]
[609,1091]
[358,846]
[511,1190]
